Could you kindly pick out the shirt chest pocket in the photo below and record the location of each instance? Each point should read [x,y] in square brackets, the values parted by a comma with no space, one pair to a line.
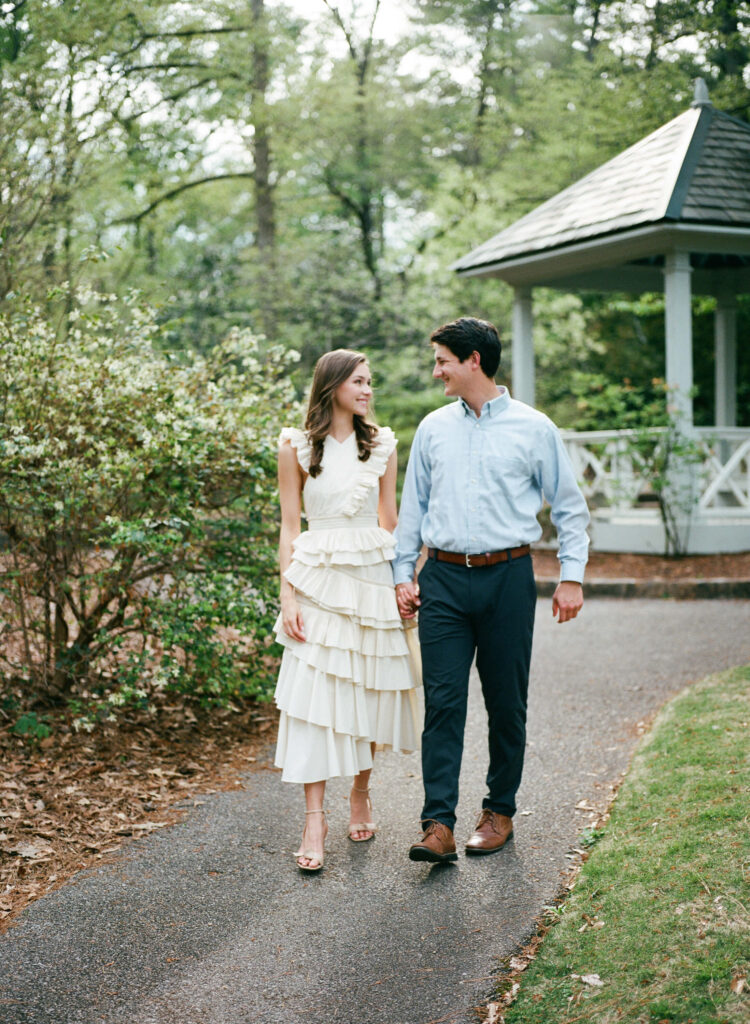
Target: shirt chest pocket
[505,470]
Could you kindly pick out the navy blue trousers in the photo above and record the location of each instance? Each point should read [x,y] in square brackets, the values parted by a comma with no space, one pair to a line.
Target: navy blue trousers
[488,611]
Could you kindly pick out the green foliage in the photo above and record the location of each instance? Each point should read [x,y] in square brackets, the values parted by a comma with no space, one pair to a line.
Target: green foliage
[33,727]
[137,494]
[669,458]
[404,391]
[653,439]
[590,836]
[604,404]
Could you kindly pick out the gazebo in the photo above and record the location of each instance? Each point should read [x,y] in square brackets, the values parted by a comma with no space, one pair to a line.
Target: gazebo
[671,212]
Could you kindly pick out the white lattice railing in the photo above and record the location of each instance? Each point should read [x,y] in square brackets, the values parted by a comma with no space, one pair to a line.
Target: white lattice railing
[612,473]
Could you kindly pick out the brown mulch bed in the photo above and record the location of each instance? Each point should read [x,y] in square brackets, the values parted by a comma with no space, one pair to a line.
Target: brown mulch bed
[615,566]
[73,799]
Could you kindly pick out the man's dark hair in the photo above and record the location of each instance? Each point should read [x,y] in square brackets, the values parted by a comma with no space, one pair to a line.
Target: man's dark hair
[467,335]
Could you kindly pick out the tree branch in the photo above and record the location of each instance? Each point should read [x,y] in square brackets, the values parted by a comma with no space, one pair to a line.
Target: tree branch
[177,190]
[339,193]
[347,34]
[171,98]
[165,66]
[368,43]
[190,33]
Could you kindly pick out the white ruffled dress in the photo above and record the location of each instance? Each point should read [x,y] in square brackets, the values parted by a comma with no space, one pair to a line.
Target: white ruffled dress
[350,683]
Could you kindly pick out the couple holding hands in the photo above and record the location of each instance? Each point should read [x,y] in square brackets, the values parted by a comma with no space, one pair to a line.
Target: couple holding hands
[478,472]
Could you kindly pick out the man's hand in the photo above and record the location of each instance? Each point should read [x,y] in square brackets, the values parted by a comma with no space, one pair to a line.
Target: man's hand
[567,600]
[407,599]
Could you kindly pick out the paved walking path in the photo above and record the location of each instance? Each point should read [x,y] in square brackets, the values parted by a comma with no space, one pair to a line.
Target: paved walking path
[209,922]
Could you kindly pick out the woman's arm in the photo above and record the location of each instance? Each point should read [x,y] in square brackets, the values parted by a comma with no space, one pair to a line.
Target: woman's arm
[291,480]
[387,515]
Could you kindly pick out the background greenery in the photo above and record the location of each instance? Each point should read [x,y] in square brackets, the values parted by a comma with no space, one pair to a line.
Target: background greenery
[313,177]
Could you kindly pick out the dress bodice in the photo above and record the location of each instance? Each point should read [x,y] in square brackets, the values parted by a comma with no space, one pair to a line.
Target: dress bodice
[346,488]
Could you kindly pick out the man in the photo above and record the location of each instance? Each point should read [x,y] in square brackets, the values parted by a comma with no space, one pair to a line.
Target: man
[478,471]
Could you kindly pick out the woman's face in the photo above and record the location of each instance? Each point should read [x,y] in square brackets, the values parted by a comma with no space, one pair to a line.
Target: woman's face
[353,396]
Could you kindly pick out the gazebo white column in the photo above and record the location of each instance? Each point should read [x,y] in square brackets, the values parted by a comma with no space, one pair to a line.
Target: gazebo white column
[725,340]
[679,333]
[523,346]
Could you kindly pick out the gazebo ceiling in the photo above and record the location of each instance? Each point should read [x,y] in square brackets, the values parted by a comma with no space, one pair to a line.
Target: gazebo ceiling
[685,187]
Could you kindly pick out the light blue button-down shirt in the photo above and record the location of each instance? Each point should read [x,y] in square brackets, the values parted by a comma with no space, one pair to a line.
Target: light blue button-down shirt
[478,484]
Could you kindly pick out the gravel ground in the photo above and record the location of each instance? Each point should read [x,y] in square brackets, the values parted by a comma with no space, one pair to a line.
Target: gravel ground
[209,922]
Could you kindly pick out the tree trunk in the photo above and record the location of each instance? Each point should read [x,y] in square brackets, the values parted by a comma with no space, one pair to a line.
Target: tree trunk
[264,199]
[362,198]
[265,213]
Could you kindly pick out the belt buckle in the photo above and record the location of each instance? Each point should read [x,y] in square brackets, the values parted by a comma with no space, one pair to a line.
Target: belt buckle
[468,562]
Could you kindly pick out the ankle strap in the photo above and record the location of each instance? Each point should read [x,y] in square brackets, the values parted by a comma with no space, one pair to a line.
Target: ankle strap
[358,790]
[318,810]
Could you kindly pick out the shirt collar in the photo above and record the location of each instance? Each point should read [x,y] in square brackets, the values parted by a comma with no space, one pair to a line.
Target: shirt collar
[492,408]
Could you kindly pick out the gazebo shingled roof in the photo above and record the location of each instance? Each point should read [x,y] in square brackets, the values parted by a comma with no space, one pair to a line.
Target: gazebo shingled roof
[692,173]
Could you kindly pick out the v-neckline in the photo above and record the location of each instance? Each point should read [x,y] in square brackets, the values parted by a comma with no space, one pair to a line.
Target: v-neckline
[341,443]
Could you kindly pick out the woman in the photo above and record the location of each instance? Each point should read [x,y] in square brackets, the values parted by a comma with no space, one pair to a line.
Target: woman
[345,682]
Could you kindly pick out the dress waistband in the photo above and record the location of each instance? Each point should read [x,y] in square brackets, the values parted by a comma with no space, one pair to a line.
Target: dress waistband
[337,522]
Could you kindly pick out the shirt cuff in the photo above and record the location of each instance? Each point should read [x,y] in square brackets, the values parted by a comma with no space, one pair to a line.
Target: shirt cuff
[572,570]
[401,574]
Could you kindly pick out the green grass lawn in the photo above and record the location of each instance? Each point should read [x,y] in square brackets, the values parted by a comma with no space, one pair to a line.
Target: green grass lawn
[658,920]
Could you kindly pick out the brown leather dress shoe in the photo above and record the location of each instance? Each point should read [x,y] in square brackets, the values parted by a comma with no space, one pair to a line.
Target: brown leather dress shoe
[491,833]
[437,845]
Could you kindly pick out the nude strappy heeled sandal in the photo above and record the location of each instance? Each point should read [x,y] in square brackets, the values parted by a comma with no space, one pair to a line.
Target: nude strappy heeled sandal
[362,826]
[310,854]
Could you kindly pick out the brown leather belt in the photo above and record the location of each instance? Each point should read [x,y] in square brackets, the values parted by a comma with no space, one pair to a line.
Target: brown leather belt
[481,560]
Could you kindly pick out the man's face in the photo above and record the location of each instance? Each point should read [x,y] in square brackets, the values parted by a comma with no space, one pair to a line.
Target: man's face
[455,375]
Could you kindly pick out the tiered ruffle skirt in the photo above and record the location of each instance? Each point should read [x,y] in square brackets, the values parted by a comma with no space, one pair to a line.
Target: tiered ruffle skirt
[350,683]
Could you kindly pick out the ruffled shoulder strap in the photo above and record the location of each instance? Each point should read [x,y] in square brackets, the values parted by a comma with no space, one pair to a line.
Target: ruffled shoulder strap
[368,473]
[298,440]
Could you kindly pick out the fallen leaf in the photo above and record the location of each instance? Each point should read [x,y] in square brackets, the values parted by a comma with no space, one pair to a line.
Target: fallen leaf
[493,1014]
[511,994]
[589,979]
[31,851]
[739,982]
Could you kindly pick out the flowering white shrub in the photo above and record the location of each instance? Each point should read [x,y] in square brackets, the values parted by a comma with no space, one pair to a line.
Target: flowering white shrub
[137,503]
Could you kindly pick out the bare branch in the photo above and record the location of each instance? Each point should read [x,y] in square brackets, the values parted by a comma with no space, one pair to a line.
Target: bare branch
[339,193]
[165,66]
[368,43]
[190,33]
[347,34]
[171,98]
[177,190]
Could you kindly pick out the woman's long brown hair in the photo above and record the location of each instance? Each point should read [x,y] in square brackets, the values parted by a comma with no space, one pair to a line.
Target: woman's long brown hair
[331,370]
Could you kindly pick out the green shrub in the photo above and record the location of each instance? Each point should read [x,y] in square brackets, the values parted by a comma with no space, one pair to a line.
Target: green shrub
[137,499]
[32,726]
